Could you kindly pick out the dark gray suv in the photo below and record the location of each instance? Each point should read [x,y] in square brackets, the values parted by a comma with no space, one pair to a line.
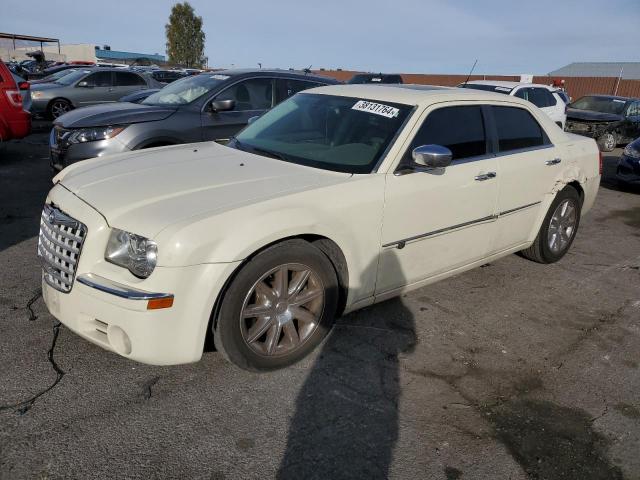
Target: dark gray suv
[208,106]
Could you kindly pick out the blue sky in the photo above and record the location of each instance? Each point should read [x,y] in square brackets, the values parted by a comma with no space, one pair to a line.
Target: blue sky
[429,36]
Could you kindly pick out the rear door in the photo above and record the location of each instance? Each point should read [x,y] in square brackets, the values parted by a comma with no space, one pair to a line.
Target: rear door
[253,97]
[126,83]
[529,164]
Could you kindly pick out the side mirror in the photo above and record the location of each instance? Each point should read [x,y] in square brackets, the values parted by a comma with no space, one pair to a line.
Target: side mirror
[83,84]
[432,156]
[222,105]
[253,119]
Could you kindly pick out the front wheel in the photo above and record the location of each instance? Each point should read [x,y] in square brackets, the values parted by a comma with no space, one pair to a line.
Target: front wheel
[59,107]
[278,308]
[558,228]
[607,142]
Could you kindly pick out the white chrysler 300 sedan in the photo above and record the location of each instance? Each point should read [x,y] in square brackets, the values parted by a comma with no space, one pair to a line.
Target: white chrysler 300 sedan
[338,198]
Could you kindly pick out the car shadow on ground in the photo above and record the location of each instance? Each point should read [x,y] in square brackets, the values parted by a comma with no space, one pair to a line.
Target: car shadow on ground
[25,179]
[346,420]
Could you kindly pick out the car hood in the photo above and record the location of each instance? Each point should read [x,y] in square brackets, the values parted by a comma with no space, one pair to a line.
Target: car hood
[113,114]
[591,116]
[145,192]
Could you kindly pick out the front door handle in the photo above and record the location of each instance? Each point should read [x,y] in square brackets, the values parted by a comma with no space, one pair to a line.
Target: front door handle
[555,161]
[486,176]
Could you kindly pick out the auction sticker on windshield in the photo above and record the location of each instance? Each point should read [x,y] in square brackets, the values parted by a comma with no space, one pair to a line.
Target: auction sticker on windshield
[376,108]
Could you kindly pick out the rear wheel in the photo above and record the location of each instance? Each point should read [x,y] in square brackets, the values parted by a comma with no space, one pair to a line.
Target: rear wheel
[558,228]
[607,142]
[59,107]
[278,308]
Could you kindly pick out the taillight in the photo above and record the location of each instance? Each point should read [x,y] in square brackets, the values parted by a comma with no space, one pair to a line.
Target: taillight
[600,160]
[14,97]
[24,85]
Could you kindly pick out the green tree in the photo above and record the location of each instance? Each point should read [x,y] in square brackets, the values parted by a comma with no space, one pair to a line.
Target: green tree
[185,38]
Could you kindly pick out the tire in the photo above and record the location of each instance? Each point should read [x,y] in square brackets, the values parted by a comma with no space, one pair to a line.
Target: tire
[260,329]
[607,142]
[58,107]
[547,248]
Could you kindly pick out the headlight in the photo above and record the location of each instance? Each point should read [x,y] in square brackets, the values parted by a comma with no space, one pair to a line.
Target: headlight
[629,151]
[133,252]
[93,134]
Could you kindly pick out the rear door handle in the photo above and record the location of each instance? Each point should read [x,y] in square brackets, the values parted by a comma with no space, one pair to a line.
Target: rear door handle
[486,176]
[555,161]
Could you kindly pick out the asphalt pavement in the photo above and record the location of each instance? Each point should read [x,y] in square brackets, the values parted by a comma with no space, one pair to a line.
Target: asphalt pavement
[512,371]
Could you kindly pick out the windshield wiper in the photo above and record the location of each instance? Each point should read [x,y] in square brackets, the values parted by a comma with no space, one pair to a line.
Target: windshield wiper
[250,148]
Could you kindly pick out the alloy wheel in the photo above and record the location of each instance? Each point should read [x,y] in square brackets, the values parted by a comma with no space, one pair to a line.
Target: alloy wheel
[282,310]
[59,108]
[562,226]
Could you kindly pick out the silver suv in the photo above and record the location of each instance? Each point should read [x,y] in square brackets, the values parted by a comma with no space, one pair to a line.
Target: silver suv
[210,106]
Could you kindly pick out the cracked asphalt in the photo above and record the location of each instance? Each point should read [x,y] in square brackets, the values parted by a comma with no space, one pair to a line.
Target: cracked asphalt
[511,371]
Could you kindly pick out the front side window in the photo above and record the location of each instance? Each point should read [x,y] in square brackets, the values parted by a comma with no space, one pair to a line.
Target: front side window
[253,94]
[99,79]
[516,129]
[634,109]
[343,134]
[460,129]
[127,79]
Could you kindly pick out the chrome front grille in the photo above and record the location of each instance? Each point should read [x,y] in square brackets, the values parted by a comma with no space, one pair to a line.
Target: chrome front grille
[59,247]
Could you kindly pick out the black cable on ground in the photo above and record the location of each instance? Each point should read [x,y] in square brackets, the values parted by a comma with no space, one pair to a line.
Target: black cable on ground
[34,299]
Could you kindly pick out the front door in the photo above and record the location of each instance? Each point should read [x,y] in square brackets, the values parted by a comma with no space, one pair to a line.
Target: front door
[441,219]
[632,124]
[97,88]
[253,97]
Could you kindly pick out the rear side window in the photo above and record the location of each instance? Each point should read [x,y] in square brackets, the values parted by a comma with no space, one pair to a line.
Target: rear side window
[540,97]
[460,129]
[516,129]
[127,79]
[288,87]
[99,79]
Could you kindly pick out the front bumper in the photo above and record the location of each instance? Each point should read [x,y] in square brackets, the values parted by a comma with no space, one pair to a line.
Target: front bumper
[63,154]
[108,306]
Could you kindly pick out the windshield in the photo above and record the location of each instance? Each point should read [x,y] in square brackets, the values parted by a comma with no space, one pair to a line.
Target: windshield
[600,104]
[342,134]
[185,90]
[60,74]
[488,88]
[72,77]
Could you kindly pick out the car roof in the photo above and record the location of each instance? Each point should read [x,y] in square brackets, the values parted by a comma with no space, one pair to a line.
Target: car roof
[512,85]
[409,94]
[271,72]
[609,97]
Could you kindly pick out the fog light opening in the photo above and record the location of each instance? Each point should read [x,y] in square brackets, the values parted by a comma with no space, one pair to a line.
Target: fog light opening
[119,340]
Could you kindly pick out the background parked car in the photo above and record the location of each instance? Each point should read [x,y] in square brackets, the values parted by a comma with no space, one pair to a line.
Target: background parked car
[15,122]
[137,97]
[86,87]
[37,76]
[610,120]
[545,98]
[167,76]
[628,171]
[361,78]
[193,109]
[25,90]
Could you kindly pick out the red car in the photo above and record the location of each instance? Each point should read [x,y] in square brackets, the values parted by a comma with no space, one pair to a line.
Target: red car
[15,122]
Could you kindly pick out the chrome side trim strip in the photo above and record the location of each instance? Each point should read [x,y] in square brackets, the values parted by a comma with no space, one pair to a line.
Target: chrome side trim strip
[401,243]
[507,212]
[118,289]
